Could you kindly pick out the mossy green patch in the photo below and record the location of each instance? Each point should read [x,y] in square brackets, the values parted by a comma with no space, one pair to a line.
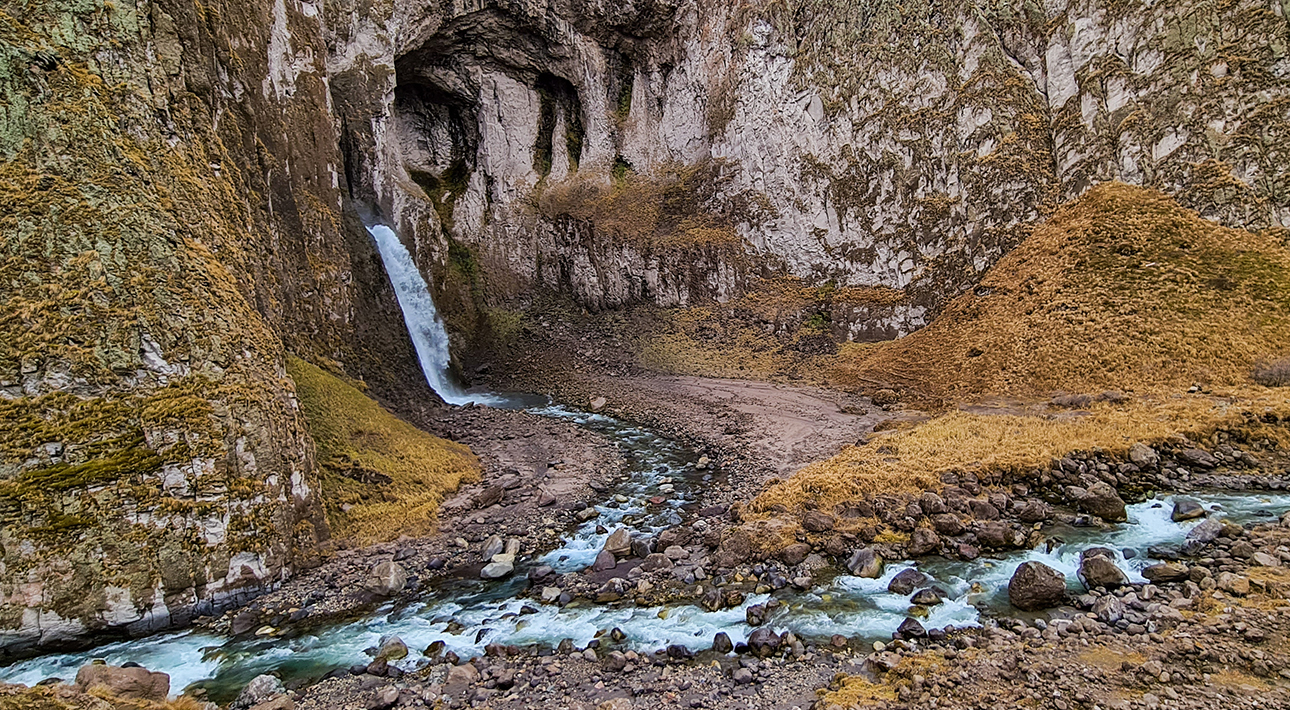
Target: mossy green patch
[382,477]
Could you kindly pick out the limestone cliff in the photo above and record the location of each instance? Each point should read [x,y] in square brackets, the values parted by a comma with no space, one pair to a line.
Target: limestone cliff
[174,218]
[664,151]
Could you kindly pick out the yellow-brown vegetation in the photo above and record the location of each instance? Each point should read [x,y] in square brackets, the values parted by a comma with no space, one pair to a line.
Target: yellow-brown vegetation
[910,460]
[381,476]
[1123,289]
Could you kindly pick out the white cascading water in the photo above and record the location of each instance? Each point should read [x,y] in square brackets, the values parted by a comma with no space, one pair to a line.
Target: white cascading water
[419,313]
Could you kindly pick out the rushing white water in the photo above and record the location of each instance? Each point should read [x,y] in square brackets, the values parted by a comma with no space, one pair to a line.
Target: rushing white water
[422,318]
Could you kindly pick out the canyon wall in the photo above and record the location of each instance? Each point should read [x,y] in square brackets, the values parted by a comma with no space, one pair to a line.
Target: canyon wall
[175,219]
[665,152]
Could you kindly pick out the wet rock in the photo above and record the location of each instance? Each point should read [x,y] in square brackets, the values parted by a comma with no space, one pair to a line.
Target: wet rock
[721,643]
[755,614]
[1097,552]
[1034,511]
[604,561]
[865,562]
[679,652]
[923,541]
[501,566]
[795,554]
[906,581]
[910,629]
[392,649]
[1186,510]
[587,514]
[619,544]
[926,597]
[947,524]
[489,496]
[261,689]
[540,573]
[816,521]
[1102,500]
[655,562]
[133,683]
[1143,456]
[386,578]
[435,649]
[763,642]
[1036,586]
[1166,572]
[1101,571]
[713,599]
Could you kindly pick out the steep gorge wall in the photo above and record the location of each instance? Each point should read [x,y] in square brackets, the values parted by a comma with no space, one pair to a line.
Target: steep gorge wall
[903,145]
[175,219]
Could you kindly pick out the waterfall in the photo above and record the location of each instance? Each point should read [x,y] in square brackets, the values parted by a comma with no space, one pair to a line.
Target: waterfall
[424,324]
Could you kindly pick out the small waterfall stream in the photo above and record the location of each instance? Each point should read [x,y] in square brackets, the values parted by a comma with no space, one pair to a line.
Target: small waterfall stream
[421,316]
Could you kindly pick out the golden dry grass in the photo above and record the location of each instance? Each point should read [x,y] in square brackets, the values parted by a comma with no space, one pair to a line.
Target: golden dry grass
[1123,289]
[910,460]
[359,439]
[857,692]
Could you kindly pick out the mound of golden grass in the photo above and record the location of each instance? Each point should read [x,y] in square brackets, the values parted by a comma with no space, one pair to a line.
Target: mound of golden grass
[911,460]
[1121,289]
[381,476]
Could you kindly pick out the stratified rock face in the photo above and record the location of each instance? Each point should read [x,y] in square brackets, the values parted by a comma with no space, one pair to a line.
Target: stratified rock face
[662,151]
[174,212]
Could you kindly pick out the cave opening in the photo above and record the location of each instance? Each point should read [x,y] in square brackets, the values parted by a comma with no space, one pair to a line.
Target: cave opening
[558,98]
[440,136]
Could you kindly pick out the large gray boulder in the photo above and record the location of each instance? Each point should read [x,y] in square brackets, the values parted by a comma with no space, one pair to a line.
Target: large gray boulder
[866,563]
[1103,501]
[260,690]
[1101,571]
[1036,586]
[386,579]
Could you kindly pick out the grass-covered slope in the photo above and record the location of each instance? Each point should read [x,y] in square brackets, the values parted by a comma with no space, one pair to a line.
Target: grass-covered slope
[1122,289]
[381,476]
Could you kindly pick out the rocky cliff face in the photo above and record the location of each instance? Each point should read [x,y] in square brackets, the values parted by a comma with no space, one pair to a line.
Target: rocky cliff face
[666,151]
[175,216]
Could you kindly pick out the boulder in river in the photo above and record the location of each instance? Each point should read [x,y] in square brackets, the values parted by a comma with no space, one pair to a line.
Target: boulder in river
[392,649]
[906,581]
[1101,571]
[619,543]
[386,578]
[501,566]
[910,629]
[1186,510]
[1036,586]
[755,615]
[926,597]
[763,642]
[1102,500]
[865,562]
[721,643]
[132,682]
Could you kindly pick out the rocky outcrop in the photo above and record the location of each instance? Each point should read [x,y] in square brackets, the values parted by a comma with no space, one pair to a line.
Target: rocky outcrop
[665,151]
